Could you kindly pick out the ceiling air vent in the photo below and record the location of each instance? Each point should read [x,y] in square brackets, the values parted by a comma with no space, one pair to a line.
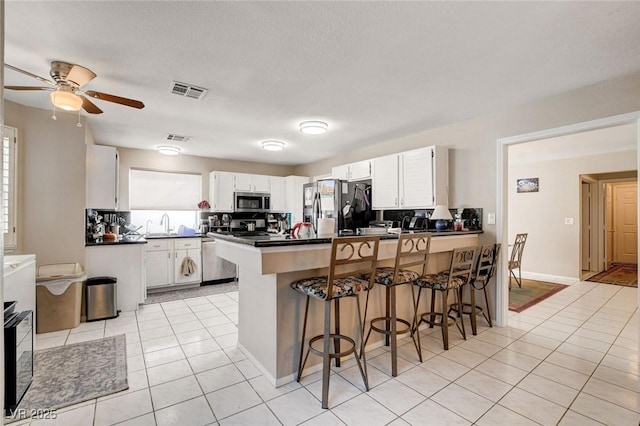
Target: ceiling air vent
[177,138]
[188,90]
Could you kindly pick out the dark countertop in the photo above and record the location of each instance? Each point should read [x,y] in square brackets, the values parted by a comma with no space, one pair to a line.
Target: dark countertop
[136,239]
[285,240]
[140,239]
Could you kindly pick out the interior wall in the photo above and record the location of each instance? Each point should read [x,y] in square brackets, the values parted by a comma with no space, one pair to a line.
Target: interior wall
[51,184]
[553,247]
[151,160]
[472,143]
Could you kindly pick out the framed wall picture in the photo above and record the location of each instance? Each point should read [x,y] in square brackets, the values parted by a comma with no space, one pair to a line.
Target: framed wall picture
[528,185]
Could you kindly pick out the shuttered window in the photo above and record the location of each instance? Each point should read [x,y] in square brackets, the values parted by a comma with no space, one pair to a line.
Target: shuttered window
[9,204]
[153,190]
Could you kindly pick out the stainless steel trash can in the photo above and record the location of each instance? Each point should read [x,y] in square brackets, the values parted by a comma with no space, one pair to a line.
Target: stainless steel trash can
[100,298]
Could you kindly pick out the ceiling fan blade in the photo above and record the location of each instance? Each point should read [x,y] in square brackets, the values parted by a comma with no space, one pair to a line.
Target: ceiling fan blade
[116,99]
[28,88]
[37,77]
[80,75]
[89,106]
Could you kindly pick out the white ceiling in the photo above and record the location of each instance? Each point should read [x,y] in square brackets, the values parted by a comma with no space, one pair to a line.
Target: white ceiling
[584,144]
[375,71]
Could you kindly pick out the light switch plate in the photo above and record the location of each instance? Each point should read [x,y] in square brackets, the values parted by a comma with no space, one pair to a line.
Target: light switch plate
[491,218]
[568,221]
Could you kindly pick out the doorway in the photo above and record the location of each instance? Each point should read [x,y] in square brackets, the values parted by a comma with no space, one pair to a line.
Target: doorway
[622,222]
[502,231]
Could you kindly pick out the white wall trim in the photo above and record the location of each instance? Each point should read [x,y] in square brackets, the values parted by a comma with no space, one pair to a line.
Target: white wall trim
[556,279]
[502,288]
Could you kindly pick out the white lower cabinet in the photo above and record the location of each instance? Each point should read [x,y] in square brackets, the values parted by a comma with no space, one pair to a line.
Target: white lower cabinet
[164,259]
[187,266]
[159,263]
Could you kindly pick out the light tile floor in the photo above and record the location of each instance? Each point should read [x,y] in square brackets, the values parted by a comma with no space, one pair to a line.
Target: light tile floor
[570,360]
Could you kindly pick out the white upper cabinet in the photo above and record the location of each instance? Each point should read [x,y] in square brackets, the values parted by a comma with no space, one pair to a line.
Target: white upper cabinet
[340,172]
[252,183]
[384,183]
[416,179]
[294,186]
[360,170]
[221,188]
[278,196]
[102,177]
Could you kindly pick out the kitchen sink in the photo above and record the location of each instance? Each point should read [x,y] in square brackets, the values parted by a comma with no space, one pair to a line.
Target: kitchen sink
[159,235]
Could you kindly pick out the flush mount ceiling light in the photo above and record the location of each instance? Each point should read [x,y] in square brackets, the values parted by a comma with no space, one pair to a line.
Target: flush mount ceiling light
[168,150]
[313,127]
[66,100]
[273,145]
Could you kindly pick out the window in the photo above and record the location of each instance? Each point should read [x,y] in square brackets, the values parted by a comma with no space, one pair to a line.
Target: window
[9,200]
[151,190]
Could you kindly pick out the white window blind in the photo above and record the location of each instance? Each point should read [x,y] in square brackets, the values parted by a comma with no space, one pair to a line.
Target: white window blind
[9,147]
[151,190]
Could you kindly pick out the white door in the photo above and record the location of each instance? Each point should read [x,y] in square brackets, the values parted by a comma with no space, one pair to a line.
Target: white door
[278,198]
[360,170]
[180,266]
[340,172]
[416,185]
[384,182]
[244,182]
[159,268]
[221,191]
[261,183]
[585,225]
[625,202]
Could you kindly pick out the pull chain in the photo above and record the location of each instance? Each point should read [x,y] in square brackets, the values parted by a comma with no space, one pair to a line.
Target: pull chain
[79,123]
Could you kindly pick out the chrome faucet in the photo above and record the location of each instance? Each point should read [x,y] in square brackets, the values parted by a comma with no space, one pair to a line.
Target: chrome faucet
[166,224]
[149,222]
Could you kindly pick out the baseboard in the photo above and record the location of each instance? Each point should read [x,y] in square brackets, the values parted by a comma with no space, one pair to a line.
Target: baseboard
[556,279]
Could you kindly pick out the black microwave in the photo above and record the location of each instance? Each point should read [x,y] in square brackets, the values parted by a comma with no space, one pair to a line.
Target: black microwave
[251,202]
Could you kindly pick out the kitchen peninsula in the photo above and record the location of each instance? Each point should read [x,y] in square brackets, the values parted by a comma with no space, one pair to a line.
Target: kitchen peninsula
[270,312]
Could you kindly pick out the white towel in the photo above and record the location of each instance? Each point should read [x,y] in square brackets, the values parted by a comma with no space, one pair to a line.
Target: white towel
[188,266]
[57,287]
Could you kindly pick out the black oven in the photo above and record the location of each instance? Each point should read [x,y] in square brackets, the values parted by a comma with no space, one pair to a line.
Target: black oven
[18,357]
[251,202]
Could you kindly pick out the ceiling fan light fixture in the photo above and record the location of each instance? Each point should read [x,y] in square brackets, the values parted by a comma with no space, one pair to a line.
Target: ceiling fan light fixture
[168,150]
[273,145]
[66,100]
[313,127]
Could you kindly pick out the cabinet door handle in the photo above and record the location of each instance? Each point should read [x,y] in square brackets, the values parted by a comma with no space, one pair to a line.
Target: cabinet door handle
[402,201]
[187,245]
[168,255]
[395,201]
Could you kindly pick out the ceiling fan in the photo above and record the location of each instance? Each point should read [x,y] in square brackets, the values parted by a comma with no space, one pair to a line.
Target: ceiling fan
[65,88]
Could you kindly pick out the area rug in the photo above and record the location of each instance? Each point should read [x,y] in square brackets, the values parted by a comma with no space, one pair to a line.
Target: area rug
[532,292]
[67,375]
[625,274]
[205,290]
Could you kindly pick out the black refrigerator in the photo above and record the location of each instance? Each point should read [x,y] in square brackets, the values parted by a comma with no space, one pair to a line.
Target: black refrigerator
[347,202]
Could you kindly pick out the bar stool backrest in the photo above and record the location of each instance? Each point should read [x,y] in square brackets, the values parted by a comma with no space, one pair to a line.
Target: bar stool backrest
[353,257]
[487,262]
[463,260]
[412,253]
[516,252]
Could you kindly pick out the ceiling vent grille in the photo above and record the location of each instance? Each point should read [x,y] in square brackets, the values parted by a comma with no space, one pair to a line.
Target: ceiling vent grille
[188,90]
[177,138]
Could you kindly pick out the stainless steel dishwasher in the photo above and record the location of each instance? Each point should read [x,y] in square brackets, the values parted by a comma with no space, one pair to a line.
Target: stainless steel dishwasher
[215,270]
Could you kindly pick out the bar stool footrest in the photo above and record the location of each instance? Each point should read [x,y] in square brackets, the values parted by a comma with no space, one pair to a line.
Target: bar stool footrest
[351,349]
[404,330]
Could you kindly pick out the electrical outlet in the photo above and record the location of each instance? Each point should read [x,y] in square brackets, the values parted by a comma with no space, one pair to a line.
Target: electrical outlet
[491,218]
[568,221]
